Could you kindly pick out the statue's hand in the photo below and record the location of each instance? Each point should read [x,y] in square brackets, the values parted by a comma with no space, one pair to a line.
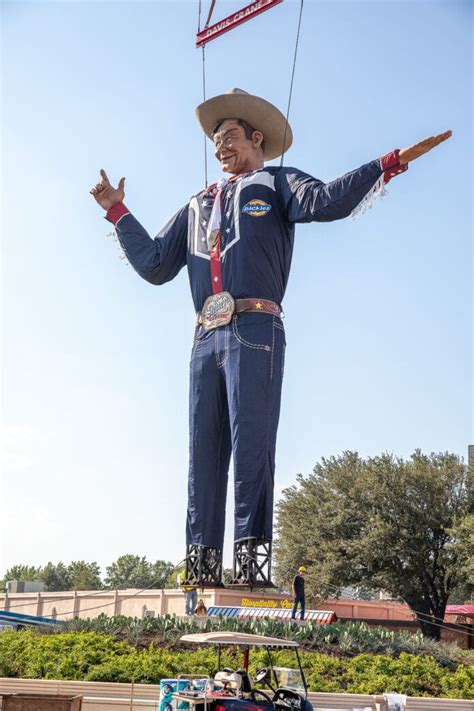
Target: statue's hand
[105,194]
[419,149]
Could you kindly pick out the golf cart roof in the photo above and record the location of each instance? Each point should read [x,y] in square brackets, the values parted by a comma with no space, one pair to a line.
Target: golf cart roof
[241,638]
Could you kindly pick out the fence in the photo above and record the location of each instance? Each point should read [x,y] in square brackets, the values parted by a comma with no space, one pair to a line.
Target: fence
[101,696]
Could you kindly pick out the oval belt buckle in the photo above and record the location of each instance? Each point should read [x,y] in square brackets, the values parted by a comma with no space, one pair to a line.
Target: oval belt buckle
[217,310]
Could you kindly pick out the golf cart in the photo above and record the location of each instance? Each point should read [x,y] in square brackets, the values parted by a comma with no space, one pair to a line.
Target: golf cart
[234,690]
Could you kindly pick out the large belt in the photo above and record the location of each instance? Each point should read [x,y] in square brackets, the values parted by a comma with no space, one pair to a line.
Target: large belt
[260,305]
[219,308]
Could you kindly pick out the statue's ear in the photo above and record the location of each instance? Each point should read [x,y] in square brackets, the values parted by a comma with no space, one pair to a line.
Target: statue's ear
[257,138]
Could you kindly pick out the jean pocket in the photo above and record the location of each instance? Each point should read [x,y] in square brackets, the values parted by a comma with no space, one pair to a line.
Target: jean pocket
[254,331]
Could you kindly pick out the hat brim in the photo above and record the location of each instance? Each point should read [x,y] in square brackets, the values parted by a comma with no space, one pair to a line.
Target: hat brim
[257,112]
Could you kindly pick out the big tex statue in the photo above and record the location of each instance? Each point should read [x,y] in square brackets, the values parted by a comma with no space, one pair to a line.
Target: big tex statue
[236,239]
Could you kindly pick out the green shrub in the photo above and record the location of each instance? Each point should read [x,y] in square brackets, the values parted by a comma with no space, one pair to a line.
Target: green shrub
[460,684]
[96,656]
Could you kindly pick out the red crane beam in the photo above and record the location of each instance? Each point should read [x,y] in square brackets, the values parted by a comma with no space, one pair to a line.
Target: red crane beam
[234,20]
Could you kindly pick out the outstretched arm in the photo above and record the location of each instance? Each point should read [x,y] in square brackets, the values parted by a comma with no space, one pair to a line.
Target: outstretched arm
[157,260]
[307,199]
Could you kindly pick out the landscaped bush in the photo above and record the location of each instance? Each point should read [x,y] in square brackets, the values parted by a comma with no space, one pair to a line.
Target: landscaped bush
[95,656]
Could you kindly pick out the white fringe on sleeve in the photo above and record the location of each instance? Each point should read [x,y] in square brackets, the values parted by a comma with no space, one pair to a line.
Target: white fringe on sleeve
[375,192]
[121,252]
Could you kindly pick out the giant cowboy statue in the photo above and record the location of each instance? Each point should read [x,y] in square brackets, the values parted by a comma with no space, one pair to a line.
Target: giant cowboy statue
[236,239]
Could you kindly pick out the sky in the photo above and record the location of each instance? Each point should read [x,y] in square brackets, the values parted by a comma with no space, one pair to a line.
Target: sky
[94,360]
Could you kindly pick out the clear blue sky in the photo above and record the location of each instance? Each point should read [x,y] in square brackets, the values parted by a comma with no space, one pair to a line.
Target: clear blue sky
[95,360]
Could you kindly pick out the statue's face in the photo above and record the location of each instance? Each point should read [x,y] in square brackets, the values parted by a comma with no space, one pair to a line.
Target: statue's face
[235,152]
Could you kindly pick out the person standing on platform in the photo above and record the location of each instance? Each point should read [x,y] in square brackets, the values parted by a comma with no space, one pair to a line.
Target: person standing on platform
[298,592]
[190,595]
[190,599]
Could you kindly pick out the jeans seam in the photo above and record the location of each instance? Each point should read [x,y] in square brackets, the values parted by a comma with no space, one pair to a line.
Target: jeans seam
[273,348]
[226,345]
[255,346]
[222,362]
[216,347]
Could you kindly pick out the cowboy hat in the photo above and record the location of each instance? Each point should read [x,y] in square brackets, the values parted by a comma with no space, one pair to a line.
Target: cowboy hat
[257,112]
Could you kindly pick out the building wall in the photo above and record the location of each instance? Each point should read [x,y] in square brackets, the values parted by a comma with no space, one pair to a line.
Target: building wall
[66,605]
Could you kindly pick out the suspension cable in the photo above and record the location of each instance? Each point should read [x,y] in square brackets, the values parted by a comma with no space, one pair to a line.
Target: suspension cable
[291,83]
[199,16]
[204,99]
[204,77]
[211,10]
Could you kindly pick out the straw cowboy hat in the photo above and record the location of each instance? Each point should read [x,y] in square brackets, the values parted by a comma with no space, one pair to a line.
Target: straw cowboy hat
[260,114]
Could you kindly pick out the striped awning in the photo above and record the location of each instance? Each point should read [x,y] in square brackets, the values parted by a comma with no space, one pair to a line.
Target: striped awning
[322,617]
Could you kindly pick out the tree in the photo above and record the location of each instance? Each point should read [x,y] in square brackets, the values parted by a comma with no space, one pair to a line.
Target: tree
[383,523]
[464,545]
[56,577]
[20,572]
[129,571]
[84,576]
[161,572]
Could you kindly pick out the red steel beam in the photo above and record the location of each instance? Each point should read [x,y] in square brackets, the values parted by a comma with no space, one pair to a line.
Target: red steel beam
[234,20]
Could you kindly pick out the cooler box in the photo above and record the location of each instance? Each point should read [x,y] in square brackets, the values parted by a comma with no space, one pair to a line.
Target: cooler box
[167,688]
[172,686]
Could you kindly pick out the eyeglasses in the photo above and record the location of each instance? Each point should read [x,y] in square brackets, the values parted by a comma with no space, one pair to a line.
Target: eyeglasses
[226,142]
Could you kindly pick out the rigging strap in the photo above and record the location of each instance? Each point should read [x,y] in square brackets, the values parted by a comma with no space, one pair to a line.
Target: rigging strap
[291,83]
[204,79]
[204,99]
[211,10]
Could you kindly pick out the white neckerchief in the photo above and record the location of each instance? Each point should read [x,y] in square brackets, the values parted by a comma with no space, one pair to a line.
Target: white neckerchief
[214,224]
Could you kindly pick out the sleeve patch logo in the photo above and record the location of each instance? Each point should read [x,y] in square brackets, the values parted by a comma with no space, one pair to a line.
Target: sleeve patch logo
[256,208]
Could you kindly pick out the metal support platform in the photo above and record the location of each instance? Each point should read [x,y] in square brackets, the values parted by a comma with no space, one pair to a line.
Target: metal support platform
[203,567]
[252,564]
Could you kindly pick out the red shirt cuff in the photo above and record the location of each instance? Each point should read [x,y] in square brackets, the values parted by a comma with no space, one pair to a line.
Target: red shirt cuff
[391,166]
[116,212]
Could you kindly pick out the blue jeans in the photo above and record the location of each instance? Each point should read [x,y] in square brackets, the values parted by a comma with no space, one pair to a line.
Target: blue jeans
[299,599]
[190,599]
[234,407]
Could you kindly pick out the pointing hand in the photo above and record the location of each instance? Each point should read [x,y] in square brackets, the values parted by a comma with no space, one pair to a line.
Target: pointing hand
[105,194]
[419,149]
